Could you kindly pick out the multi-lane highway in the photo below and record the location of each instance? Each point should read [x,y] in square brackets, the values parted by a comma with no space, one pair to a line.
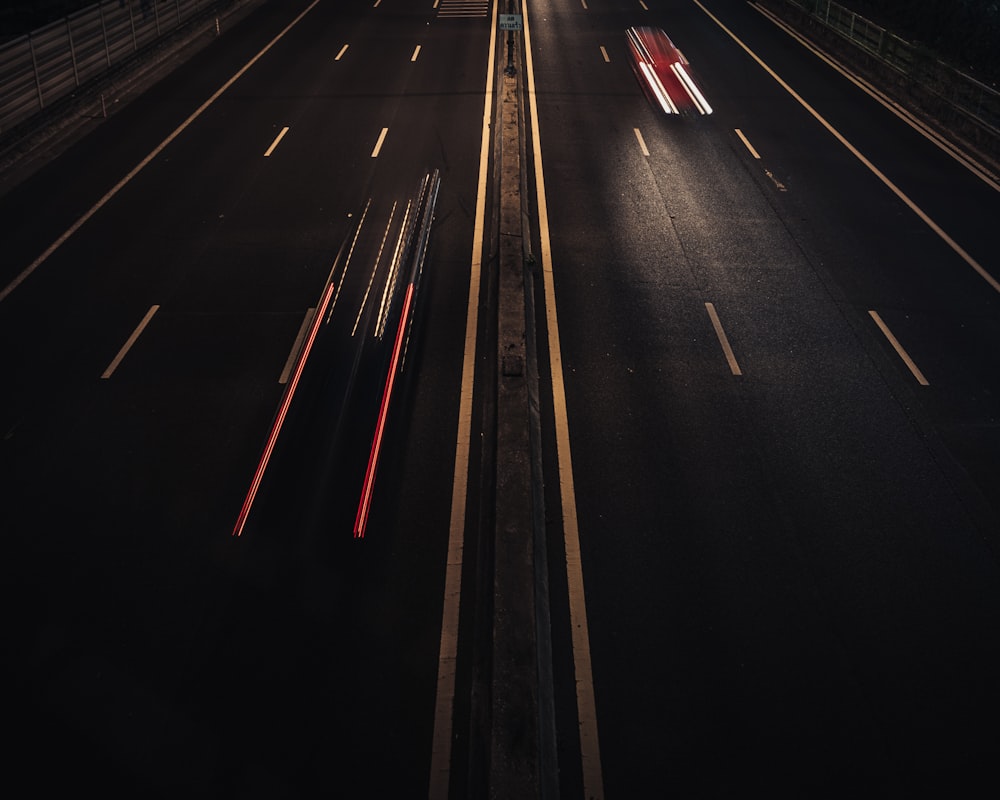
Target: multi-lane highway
[767,344]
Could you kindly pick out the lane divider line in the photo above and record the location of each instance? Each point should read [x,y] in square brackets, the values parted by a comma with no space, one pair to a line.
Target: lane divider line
[876,94]
[723,340]
[607,58]
[746,142]
[278,138]
[142,164]
[444,700]
[899,349]
[586,704]
[131,341]
[416,52]
[642,142]
[955,246]
[378,144]
[296,346]
[340,55]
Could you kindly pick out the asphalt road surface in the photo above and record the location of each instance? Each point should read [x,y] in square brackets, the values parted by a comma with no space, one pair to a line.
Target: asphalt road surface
[769,336]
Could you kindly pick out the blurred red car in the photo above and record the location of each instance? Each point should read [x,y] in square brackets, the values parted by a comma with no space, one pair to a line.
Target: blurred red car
[664,73]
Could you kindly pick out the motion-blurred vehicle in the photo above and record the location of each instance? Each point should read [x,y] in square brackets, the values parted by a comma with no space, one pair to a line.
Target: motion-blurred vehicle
[664,73]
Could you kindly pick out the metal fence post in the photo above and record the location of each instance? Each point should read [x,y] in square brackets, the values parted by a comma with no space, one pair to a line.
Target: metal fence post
[34,67]
[131,22]
[72,52]
[104,30]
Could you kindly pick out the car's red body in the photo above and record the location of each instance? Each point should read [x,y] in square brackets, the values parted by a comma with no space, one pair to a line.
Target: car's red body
[664,73]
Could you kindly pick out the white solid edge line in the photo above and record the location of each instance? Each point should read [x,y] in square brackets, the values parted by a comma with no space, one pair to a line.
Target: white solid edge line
[899,349]
[590,750]
[128,344]
[876,94]
[142,164]
[723,340]
[278,138]
[440,768]
[296,345]
[955,246]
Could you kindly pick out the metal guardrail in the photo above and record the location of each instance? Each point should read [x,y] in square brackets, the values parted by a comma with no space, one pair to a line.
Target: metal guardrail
[947,93]
[50,63]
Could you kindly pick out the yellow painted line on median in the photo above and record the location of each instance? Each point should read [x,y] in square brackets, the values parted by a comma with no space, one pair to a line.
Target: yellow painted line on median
[955,246]
[142,164]
[586,704]
[444,701]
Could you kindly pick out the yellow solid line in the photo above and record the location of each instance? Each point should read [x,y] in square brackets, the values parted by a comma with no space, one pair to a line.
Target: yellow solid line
[955,246]
[142,164]
[586,705]
[899,349]
[448,652]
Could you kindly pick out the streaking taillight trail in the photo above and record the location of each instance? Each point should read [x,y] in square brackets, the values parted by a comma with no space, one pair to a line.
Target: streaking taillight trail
[286,401]
[427,200]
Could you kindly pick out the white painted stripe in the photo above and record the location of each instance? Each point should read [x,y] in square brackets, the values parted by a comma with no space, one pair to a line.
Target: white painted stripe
[746,142]
[604,53]
[644,6]
[586,705]
[584,4]
[979,170]
[296,346]
[955,246]
[131,341]
[340,55]
[723,340]
[642,142]
[142,164]
[899,349]
[376,3]
[448,652]
[378,144]
[277,139]
[416,52]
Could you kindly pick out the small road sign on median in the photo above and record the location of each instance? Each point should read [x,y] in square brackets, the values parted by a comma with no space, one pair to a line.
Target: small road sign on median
[510,22]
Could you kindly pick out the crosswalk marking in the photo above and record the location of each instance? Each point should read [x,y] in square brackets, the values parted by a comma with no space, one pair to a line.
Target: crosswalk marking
[463,8]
